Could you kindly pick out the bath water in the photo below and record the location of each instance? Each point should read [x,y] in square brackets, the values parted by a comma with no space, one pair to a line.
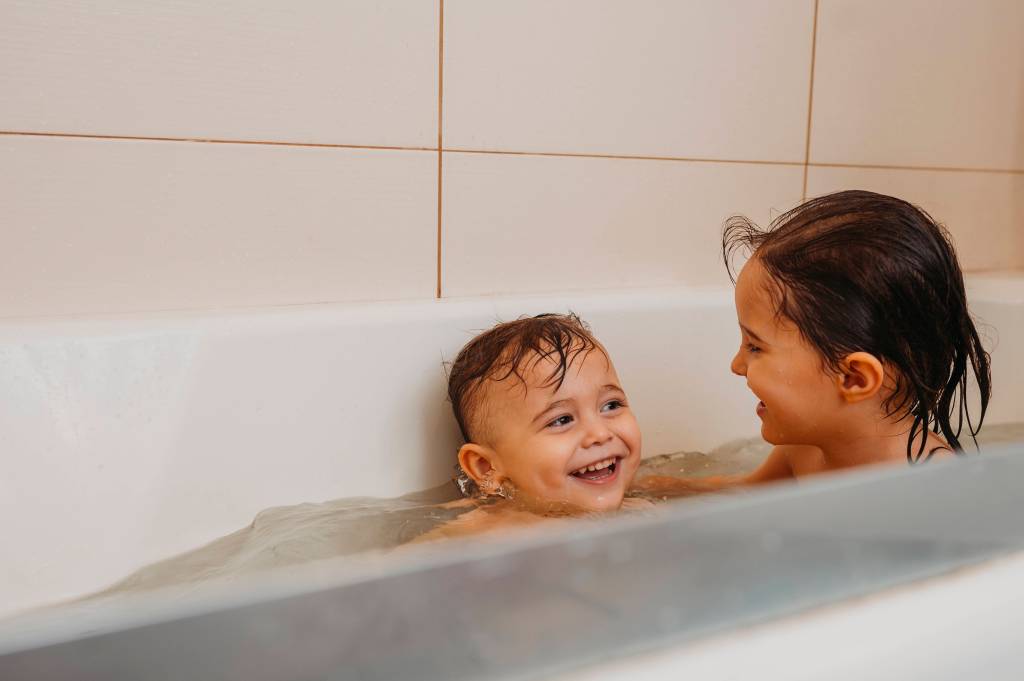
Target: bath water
[289,535]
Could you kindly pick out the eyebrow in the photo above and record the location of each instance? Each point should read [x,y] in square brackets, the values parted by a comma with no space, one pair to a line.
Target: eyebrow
[751,334]
[556,403]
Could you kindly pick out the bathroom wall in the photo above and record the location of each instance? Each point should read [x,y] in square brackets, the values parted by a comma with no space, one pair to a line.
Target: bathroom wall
[185,154]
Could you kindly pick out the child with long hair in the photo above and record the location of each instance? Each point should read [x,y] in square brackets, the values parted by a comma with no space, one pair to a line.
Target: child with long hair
[855,338]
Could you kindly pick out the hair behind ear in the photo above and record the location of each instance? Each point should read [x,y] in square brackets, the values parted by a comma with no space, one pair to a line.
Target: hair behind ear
[864,271]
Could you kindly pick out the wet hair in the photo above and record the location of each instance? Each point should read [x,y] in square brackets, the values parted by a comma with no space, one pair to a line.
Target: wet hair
[859,271]
[510,349]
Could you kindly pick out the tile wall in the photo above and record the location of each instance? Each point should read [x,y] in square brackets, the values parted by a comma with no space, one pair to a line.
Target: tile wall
[180,154]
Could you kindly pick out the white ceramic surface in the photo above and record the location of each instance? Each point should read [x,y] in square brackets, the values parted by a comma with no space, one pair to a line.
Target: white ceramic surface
[323,71]
[893,635]
[723,80]
[100,226]
[920,83]
[533,223]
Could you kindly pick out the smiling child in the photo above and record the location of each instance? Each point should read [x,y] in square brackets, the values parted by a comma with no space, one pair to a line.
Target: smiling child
[547,425]
[856,339]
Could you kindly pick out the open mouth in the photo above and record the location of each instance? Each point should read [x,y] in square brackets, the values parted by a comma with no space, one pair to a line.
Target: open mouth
[598,472]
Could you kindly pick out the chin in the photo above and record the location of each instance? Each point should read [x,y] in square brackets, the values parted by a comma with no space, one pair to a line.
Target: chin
[611,502]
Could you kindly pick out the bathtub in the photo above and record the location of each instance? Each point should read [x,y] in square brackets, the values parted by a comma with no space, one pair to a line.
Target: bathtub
[130,439]
[888,573]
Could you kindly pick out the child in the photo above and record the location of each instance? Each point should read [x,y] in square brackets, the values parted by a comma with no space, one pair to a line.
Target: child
[856,338]
[547,425]
[548,432]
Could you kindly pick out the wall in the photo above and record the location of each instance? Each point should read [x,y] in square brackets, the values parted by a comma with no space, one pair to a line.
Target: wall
[183,154]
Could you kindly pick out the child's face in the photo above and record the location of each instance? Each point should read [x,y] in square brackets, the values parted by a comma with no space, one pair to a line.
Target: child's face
[799,400]
[544,440]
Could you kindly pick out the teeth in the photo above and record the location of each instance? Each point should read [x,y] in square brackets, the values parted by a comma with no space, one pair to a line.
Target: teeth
[596,466]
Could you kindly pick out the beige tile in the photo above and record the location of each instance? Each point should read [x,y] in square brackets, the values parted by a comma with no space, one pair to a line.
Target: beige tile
[111,226]
[517,224]
[328,71]
[916,82]
[726,80]
[984,212]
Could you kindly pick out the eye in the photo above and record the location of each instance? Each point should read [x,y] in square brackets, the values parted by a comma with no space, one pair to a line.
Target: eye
[753,349]
[563,420]
[612,405]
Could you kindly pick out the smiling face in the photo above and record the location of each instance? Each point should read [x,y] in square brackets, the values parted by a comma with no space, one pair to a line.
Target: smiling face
[799,401]
[577,447]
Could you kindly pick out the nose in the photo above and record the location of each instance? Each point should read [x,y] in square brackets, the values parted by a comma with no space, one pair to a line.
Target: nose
[597,433]
[738,366]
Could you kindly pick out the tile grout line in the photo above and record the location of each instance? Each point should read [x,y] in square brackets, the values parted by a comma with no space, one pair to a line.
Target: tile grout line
[547,154]
[206,140]
[810,101]
[624,157]
[933,169]
[440,128]
[694,159]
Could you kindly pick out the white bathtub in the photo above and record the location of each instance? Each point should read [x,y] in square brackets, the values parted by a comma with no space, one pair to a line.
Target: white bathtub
[127,440]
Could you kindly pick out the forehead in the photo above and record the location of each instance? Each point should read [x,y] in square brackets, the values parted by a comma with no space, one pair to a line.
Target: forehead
[753,289]
[498,402]
[756,301]
[537,380]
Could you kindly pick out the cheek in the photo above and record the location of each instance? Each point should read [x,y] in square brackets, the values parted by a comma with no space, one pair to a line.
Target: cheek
[789,400]
[783,381]
[543,463]
[630,434]
[814,385]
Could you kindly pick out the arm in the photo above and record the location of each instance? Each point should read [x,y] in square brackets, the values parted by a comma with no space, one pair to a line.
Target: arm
[775,467]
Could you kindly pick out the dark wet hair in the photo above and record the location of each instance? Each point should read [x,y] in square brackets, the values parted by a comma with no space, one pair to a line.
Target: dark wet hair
[859,271]
[508,349]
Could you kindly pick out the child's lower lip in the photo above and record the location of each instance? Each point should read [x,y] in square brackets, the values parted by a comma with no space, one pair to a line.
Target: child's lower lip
[601,481]
[761,408]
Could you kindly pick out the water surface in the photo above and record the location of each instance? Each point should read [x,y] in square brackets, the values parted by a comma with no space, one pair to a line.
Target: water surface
[288,535]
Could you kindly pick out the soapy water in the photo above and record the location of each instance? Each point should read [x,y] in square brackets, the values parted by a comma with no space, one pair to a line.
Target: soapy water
[290,535]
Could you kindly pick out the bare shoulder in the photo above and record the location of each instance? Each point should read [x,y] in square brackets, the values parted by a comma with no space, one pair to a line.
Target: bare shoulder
[472,522]
[937,448]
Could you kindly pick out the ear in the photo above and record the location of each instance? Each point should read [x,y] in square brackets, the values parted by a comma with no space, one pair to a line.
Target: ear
[477,461]
[861,376]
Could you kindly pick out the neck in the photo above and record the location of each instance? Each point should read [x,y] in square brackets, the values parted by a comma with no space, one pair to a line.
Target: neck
[881,441]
